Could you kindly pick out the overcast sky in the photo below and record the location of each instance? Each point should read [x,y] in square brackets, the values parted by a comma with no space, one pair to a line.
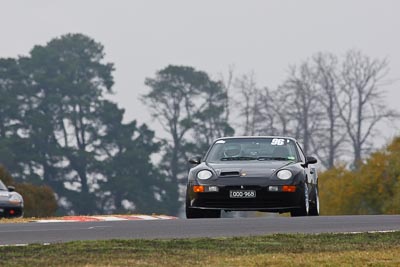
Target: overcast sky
[141,37]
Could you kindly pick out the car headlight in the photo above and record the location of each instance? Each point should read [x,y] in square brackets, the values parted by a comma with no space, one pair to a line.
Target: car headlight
[15,199]
[204,174]
[284,174]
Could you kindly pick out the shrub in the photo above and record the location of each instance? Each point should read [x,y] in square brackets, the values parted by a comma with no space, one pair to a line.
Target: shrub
[39,201]
[374,188]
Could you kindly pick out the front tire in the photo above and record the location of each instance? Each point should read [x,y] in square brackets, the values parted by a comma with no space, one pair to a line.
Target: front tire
[304,204]
[314,205]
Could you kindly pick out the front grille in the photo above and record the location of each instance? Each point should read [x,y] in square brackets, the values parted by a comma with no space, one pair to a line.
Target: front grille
[243,203]
[241,187]
[263,199]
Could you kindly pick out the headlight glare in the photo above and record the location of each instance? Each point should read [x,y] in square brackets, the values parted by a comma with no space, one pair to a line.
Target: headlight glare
[284,174]
[204,174]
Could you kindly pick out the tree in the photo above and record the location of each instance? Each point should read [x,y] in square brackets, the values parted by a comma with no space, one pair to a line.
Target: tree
[373,188]
[12,91]
[172,102]
[249,103]
[322,103]
[378,181]
[301,96]
[133,183]
[211,121]
[328,141]
[69,80]
[185,101]
[362,106]
[338,195]
[227,84]
[60,131]
[274,112]
[8,101]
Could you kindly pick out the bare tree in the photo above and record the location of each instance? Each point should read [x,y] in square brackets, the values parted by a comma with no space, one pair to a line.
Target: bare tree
[302,98]
[274,117]
[268,117]
[325,102]
[328,141]
[227,84]
[362,106]
[249,103]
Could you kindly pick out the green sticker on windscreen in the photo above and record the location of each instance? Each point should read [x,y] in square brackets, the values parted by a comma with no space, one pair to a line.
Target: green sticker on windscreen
[291,158]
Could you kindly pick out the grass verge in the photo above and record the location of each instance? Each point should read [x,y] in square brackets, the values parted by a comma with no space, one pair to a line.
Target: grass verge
[21,220]
[374,249]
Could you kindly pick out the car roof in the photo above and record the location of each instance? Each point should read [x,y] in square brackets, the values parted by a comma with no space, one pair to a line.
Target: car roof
[255,137]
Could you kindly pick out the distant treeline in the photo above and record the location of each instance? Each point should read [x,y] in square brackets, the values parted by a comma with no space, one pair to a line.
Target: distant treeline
[58,127]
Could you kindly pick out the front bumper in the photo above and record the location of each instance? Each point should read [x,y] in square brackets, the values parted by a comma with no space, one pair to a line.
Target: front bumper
[265,199]
[10,211]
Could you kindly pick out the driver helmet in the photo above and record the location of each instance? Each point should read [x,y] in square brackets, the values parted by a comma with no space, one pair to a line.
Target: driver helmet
[232,150]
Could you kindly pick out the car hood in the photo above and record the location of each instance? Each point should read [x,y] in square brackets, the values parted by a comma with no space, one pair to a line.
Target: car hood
[4,195]
[246,168]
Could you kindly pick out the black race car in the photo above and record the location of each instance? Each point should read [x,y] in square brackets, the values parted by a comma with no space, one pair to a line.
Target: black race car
[269,174]
[11,203]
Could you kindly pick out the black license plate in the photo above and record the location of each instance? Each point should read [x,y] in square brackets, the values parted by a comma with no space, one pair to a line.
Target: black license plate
[242,193]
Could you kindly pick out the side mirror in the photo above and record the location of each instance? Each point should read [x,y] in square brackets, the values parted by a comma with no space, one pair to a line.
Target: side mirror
[11,188]
[195,160]
[311,160]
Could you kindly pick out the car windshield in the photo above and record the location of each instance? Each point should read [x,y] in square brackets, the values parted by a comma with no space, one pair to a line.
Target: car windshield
[259,149]
[2,186]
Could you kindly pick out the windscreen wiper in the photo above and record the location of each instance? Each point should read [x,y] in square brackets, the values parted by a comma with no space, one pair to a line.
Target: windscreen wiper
[239,158]
[272,158]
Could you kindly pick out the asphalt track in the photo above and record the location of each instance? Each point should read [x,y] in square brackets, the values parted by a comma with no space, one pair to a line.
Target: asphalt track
[26,233]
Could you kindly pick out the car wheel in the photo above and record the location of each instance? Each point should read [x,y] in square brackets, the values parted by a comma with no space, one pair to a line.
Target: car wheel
[304,204]
[314,205]
[193,213]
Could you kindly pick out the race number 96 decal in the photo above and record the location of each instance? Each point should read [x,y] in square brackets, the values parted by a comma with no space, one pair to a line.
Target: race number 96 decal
[277,142]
